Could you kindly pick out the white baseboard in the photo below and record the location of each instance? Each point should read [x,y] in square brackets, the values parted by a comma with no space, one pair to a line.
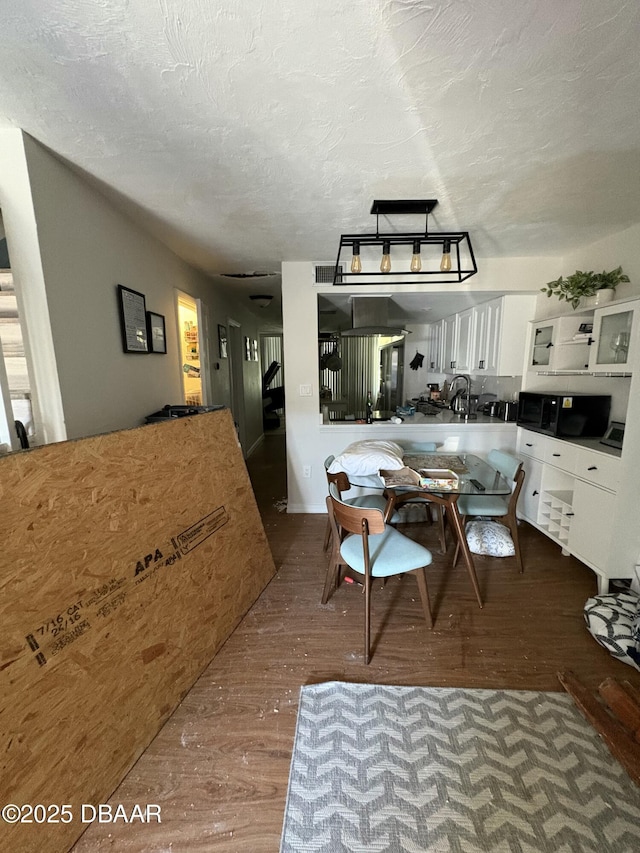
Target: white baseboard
[256,444]
[307,508]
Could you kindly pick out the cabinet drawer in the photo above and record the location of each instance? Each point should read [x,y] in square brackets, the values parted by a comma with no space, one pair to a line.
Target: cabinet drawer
[561,454]
[531,444]
[598,468]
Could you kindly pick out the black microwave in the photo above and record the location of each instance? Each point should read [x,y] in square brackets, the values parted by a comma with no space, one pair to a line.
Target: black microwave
[564,415]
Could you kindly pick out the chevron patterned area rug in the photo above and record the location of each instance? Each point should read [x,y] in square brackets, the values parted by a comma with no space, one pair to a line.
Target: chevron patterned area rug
[380,769]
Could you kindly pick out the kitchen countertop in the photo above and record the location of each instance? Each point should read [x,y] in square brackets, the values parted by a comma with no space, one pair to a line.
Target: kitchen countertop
[589,443]
[594,444]
[444,416]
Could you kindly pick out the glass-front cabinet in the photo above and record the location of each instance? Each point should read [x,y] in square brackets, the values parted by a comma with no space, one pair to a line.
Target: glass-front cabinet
[543,341]
[614,332]
[598,341]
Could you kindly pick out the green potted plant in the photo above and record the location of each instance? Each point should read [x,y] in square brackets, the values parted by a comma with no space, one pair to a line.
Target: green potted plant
[581,285]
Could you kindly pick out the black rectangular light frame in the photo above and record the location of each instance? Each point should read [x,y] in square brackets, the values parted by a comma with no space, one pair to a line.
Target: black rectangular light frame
[456,274]
[395,207]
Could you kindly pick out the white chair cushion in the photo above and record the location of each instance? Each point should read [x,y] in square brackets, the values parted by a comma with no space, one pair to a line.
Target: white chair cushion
[612,620]
[489,538]
[368,457]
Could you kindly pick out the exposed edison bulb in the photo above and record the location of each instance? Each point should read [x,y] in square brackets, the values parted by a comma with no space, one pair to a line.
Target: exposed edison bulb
[385,263]
[445,263]
[356,263]
[416,260]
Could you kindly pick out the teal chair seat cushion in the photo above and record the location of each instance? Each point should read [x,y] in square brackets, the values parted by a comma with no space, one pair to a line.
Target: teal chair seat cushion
[373,502]
[391,553]
[479,505]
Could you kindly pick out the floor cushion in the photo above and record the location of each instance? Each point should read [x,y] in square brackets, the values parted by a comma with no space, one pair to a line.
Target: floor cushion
[613,621]
[489,538]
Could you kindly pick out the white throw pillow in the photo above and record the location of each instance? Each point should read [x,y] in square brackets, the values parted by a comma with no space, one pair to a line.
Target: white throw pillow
[368,457]
[612,621]
[489,538]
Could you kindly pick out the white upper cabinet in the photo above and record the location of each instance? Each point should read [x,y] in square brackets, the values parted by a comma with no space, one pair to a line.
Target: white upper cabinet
[561,344]
[484,350]
[598,341]
[543,337]
[435,348]
[487,340]
[465,334]
[449,344]
[500,335]
[615,329]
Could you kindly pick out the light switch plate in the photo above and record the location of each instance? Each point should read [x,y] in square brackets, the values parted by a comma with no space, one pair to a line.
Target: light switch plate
[305,390]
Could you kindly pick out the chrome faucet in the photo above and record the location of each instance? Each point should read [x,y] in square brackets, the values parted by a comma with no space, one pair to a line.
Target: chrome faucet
[458,403]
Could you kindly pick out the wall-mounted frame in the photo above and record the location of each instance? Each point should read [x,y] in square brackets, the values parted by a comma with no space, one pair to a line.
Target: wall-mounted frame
[254,350]
[247,349]
[222,341]
[156,332]
[133,320]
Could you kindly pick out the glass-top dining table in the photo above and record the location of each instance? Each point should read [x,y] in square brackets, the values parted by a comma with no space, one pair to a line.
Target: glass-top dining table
[474,476]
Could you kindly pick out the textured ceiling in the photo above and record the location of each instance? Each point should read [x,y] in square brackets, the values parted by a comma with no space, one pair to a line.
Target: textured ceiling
[248,132]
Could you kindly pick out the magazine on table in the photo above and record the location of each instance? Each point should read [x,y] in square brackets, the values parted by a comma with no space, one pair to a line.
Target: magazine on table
[423,478]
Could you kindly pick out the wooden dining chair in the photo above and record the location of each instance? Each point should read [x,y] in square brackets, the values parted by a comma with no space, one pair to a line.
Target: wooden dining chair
[497,506]
[341,480]
[373,549]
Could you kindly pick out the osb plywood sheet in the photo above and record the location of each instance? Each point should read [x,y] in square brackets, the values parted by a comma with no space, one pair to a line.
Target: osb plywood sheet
[127,559]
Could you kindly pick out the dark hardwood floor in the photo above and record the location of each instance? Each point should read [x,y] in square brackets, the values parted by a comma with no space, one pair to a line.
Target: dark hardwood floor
[219,767]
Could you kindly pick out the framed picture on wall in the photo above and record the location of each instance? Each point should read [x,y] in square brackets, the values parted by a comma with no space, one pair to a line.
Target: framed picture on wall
[247,349]
[156,332]
[133,320]
[254,350]
[222,341]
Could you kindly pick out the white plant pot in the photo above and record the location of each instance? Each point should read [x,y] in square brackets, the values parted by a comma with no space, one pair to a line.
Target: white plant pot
[599,298]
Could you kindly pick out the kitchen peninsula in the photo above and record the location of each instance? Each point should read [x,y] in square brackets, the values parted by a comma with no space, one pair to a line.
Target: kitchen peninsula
[446,429]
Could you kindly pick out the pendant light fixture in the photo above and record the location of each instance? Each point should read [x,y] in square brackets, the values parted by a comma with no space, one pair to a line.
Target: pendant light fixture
[445,263]
[385,263]
[356,263]
[416,260]
[430,257]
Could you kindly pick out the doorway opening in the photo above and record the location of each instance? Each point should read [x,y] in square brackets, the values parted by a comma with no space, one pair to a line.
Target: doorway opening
[189,344]
[272,366]
[17,426]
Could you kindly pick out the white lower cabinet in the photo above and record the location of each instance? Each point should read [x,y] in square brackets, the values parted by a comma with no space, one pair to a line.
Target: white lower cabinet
[569,493]
[590,534]
[530,494]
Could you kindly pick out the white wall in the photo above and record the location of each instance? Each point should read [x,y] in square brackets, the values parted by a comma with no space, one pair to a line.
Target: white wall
[70,248]
[308,442]
[613,251]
